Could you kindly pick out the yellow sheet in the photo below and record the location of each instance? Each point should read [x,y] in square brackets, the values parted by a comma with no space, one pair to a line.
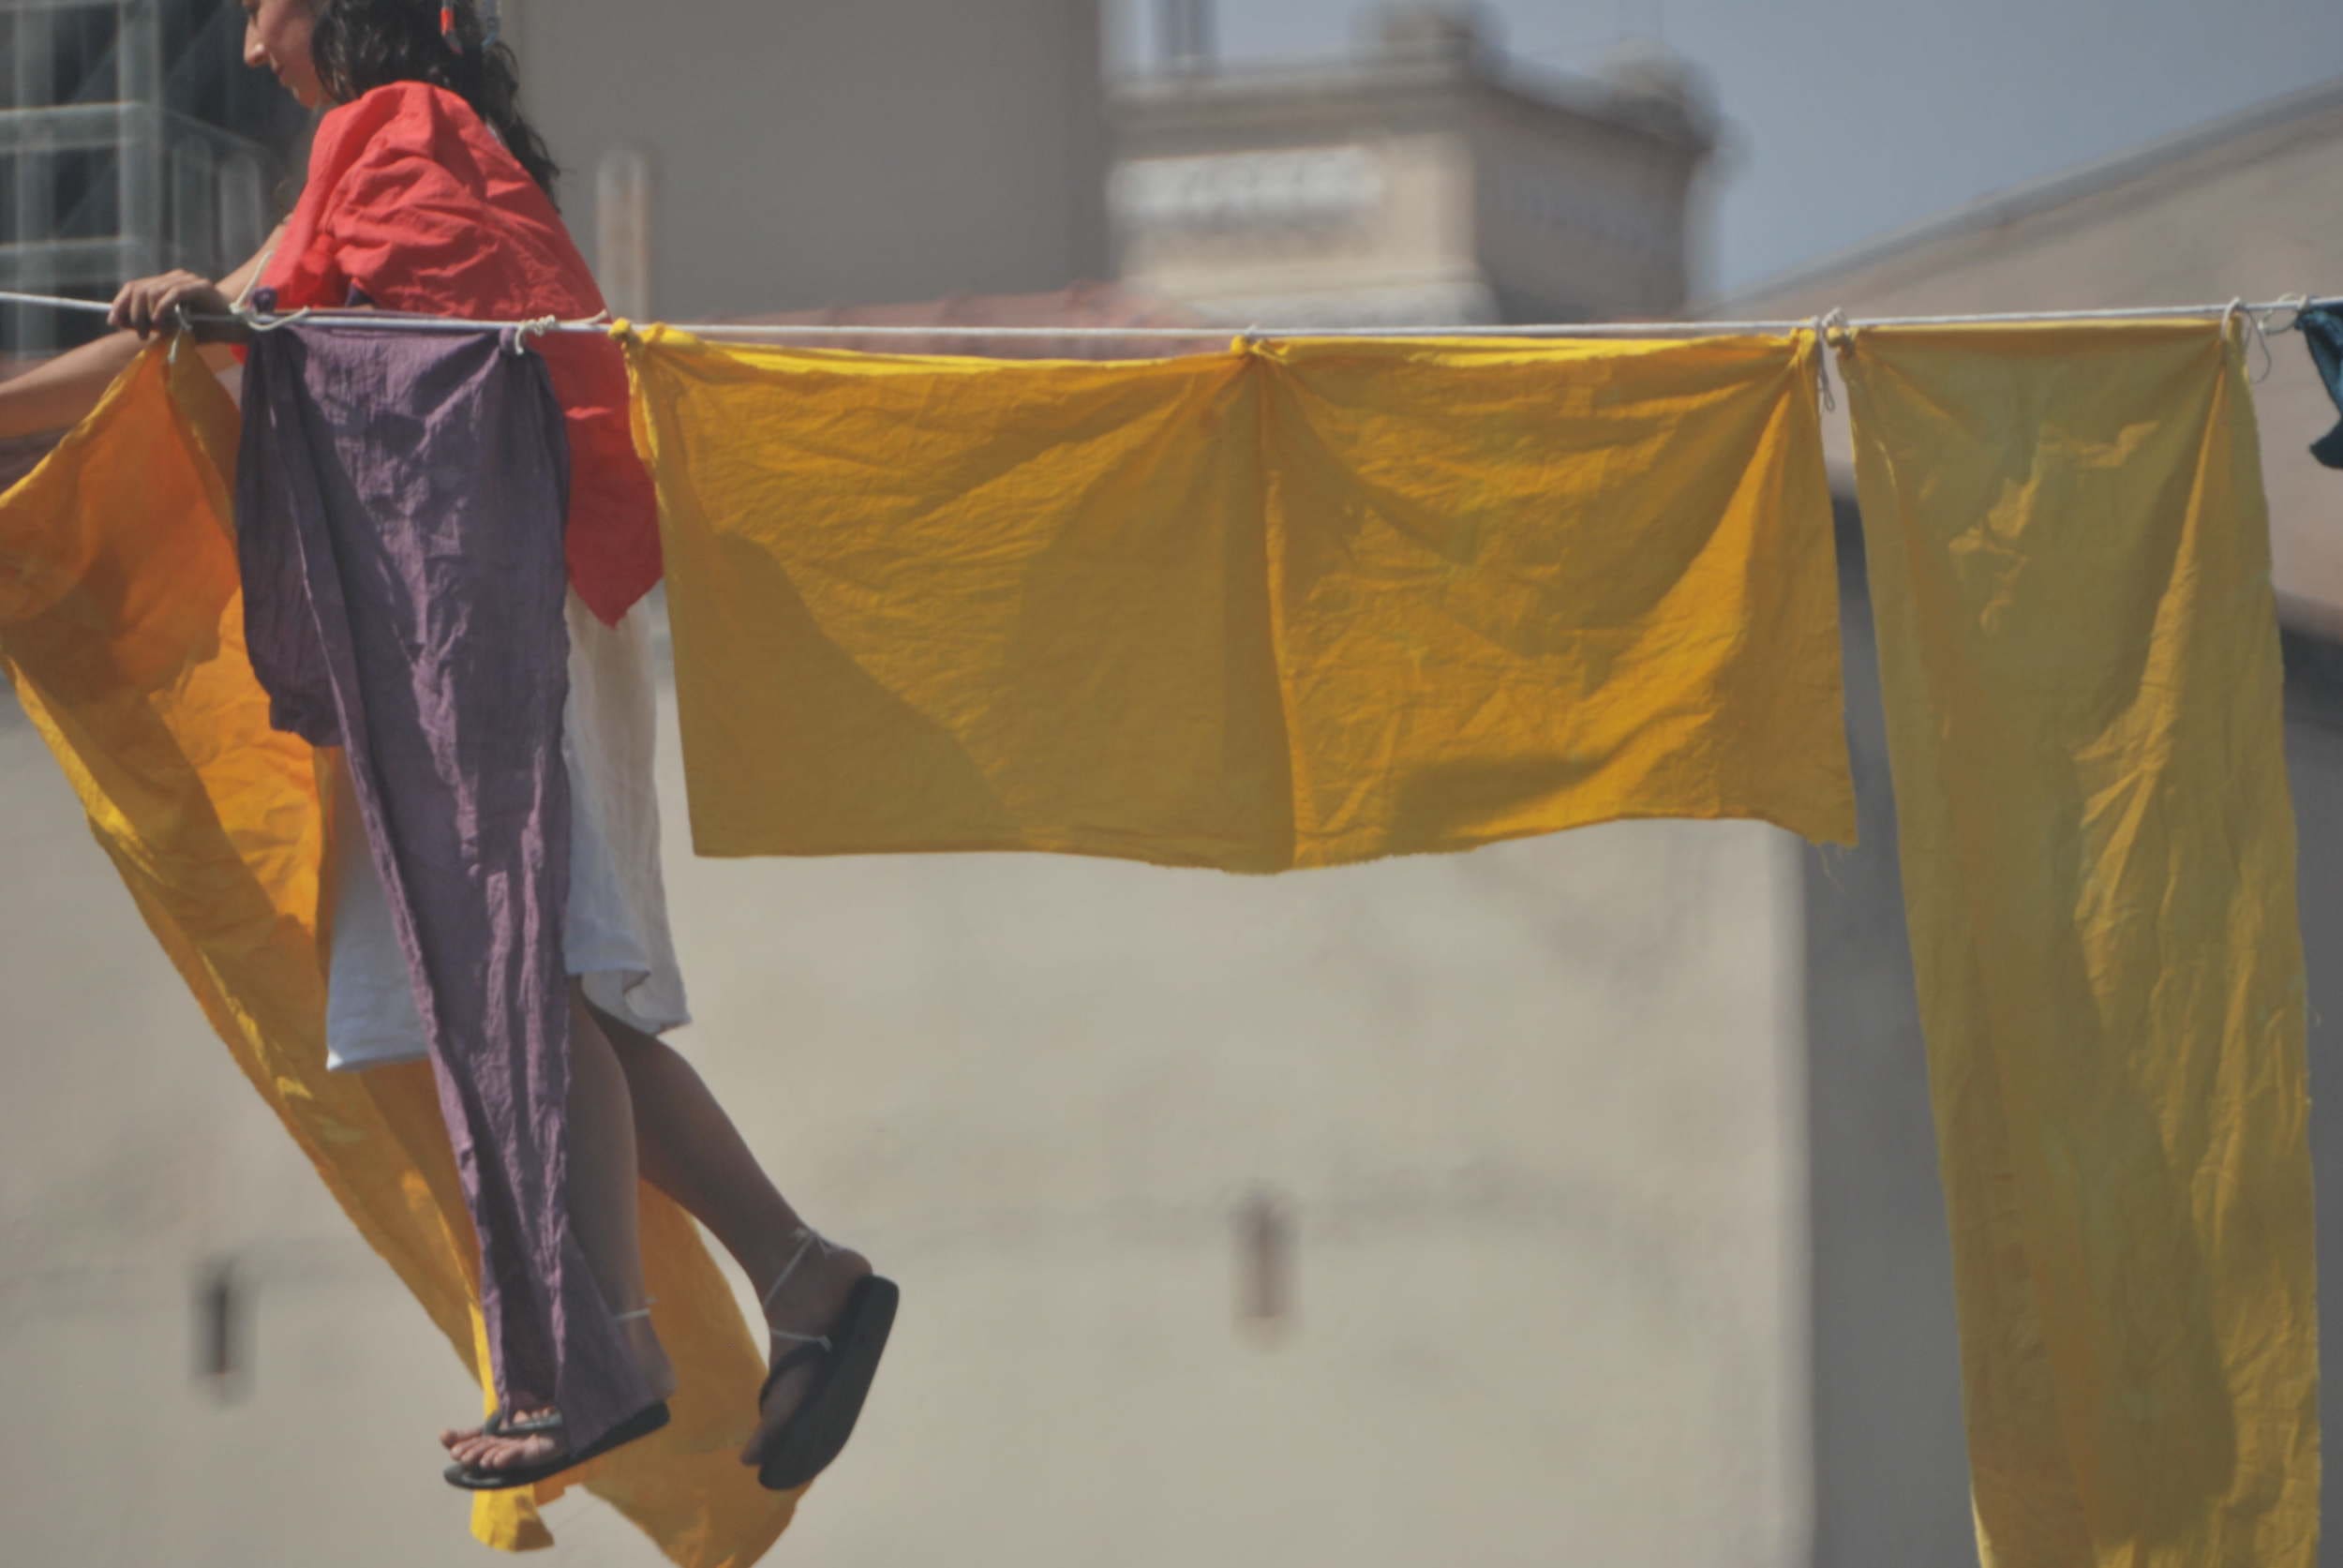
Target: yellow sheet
[122,627]
[1296,605]
[2071,573]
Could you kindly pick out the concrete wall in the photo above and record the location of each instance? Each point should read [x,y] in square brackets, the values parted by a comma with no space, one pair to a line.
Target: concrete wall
[1530,1115]
[809,155]
[1890,1460]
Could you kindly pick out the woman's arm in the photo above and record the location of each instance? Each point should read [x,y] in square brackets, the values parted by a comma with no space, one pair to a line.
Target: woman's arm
[59,393]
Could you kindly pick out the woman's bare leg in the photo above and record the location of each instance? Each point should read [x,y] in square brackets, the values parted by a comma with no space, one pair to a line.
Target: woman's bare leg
[693,1153]
[604,1217]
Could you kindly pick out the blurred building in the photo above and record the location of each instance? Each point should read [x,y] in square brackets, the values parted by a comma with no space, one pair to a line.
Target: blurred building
[1427,181]
[733,156]
[1572,1201]
[2215,214]
[2225,211]
[132,139]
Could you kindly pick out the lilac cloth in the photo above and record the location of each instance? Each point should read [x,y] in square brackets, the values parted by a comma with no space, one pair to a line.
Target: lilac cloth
[399,505]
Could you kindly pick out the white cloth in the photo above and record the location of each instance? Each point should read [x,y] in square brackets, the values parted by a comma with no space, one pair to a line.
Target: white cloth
[615,933]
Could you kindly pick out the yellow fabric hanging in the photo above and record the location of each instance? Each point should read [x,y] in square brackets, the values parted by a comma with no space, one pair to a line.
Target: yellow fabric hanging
[1296,605]
[2071,573]
[122,628]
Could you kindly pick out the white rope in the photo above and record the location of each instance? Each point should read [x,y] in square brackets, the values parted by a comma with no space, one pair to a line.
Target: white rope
[2238,309]
[812,1240]
[395,321]
[534,328]
[259,323]
[54,302]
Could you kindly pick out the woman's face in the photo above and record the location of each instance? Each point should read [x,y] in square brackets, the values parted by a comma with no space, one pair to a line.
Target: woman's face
[277,36]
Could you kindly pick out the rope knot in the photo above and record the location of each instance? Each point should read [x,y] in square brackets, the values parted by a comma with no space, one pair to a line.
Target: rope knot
[525,333]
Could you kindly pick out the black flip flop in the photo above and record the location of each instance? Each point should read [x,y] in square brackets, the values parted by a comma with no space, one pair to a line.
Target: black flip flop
[640,1425]
[816,1431]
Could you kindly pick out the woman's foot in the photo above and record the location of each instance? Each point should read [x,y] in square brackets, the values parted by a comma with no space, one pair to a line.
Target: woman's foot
[808,1301]
[476,1447]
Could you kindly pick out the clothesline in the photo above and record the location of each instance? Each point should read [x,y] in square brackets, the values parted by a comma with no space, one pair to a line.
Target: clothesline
[1400,652]
[2261,312]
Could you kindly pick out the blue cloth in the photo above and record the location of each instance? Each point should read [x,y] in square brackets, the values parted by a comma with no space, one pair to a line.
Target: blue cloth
[2322,327]
[400,506]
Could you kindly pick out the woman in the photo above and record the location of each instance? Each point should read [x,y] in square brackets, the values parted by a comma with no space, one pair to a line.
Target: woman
[428,192]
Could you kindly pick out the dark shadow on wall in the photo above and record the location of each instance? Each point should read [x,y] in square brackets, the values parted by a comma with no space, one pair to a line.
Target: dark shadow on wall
[1892,1477]
[2314,760]
[1891,1461]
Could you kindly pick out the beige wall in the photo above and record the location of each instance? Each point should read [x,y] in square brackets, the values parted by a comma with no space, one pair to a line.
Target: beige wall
[1534,1114]
[809,155]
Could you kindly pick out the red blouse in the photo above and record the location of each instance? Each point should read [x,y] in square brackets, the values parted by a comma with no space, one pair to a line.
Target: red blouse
[413,203]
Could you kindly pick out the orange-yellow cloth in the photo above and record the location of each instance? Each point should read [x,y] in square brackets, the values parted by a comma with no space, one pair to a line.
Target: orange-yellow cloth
[2070,572]
[122,628]
[1296,605]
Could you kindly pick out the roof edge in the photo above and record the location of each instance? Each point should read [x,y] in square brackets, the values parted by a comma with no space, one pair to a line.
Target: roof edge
[2039,195]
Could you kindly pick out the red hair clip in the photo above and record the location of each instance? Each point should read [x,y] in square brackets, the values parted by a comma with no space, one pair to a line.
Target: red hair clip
[447,28]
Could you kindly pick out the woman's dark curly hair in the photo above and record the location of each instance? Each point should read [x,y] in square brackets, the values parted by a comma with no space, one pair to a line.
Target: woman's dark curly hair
[360,45]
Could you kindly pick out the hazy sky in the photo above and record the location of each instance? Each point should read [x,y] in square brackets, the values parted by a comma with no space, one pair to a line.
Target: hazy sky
[1851,120]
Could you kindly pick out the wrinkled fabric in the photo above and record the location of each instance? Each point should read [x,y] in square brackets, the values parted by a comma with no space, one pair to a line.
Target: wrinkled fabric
[399,520]
[616,939]
[1296,605]
[413,205]
[2322,329]
[2070,573]
[122,630]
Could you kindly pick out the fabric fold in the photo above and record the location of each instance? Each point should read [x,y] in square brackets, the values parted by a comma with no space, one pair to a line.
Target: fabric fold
[122,632]
[2069,563]
[399,505]
[412,202]
[1523,586]
[1296,605]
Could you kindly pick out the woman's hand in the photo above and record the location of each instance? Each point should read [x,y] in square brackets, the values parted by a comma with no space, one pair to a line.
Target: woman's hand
[177,300]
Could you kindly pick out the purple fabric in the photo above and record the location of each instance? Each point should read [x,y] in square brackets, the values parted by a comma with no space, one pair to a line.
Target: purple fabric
[399,505]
